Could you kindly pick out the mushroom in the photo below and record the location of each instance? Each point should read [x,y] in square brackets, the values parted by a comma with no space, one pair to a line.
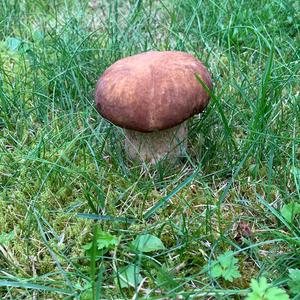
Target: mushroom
[151,95]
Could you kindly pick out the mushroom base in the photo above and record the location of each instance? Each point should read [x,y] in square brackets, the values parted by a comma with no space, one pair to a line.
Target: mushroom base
[154,146]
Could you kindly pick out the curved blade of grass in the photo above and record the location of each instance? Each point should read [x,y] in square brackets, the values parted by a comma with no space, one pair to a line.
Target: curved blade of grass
[106,218]
[27,285]
[276,214]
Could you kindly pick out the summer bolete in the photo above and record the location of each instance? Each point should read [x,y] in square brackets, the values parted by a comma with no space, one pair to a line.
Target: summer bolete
[151,95]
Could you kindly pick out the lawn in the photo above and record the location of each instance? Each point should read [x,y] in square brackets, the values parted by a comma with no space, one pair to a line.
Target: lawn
[80,221]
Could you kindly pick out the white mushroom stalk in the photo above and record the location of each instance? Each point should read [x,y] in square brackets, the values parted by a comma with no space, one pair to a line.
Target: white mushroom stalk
[157,145]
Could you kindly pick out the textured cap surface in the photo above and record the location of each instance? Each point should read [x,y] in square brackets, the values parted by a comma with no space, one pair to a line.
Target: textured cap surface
[152,90]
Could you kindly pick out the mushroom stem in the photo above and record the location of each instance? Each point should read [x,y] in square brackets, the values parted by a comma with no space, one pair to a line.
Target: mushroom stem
[154,146]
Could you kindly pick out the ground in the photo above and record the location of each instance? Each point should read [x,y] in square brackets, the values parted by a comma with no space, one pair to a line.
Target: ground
[71,203]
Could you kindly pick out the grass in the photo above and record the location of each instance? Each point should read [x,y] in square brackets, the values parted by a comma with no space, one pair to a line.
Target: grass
[64,175]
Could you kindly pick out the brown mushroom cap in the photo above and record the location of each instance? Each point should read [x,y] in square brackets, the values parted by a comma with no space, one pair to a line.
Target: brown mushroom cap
[152,90]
